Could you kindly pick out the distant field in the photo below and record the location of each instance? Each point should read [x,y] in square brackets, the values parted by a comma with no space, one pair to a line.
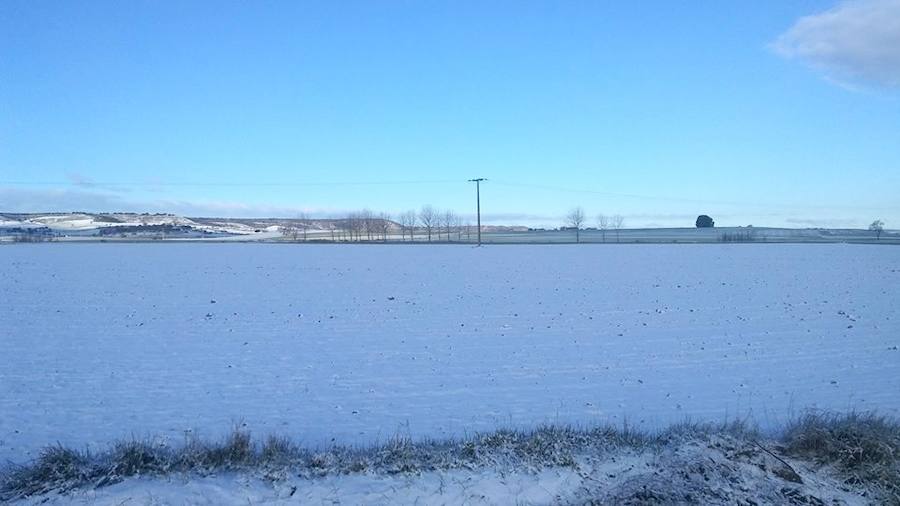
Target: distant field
[693,235]
[359,343]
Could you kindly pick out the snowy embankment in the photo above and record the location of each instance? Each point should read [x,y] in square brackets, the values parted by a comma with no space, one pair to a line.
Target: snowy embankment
[817,460]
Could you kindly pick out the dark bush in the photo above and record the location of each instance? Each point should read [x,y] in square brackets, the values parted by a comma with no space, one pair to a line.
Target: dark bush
[704,221]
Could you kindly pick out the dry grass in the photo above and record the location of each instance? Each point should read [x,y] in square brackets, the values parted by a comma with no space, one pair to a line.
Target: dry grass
[864,447]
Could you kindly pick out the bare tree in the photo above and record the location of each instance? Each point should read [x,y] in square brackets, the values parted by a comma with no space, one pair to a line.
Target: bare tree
[303,218]
[408,223]
[877,226]
[448,220]
[603,225]
[351,225]
[575,219]
[468,231]
[384,225]
[358,225]
[429,219]
[617,221]
[413,221]
[368,223]
[289,231]
[348,227]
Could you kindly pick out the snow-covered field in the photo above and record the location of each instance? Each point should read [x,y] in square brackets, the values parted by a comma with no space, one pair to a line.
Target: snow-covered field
[357,344]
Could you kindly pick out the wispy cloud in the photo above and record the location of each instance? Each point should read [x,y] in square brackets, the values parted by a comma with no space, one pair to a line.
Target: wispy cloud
[78,179]
[18,200]
[516,218]
[856,42]
[824,223]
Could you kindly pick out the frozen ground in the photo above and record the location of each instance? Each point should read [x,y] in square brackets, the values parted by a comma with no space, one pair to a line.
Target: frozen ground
[718,470]
[357,344]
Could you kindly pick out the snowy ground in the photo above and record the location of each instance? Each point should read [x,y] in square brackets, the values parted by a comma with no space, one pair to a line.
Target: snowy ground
[707,469]
[356,344]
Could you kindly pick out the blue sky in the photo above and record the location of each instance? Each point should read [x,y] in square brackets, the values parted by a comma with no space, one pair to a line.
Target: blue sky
[770,113]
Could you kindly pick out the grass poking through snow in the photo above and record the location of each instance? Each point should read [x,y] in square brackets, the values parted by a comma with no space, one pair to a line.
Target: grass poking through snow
[864,448]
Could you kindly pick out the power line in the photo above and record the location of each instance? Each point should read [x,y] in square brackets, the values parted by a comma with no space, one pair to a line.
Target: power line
[681,199]
[89,184]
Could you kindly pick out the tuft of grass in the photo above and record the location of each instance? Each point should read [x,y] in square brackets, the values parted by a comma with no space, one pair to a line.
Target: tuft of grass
[236,452]
[133,458]
[57,467]
[278,452]
[864,447]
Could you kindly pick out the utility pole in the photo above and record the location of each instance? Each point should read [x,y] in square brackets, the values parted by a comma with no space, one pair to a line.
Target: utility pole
[477,182]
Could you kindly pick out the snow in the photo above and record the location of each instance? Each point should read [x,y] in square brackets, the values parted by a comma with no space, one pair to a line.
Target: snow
[486,487]
[78,221]
[356,344]
[714,470]
[85,222]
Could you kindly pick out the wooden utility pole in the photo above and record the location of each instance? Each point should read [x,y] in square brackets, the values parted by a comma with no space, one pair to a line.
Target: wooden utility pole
[477,182]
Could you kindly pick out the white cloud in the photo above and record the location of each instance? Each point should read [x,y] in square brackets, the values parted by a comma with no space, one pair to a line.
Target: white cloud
[858,41]
[824,222]
[18,200]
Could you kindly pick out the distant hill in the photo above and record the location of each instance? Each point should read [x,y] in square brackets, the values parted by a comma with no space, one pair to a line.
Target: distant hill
[83,224]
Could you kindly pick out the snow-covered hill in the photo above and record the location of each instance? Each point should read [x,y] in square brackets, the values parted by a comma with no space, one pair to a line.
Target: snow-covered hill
[82,223]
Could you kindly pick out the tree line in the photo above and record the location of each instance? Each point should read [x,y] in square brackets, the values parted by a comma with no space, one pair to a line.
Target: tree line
[428,223]
[576,219]
[431,224]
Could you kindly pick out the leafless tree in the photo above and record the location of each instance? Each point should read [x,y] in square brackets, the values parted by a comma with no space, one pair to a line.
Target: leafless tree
[603,225]
[352,225]
[368,223]
[448,220]
[289,231]
[347,228]
[468,231]
[575,219]
[303,219]
[358,225]
[384,225]
[877,226]
[617,221]
[407,222]
[429,219]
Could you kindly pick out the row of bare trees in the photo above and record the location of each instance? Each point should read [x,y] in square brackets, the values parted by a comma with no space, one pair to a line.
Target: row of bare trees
[434,224]
[356,226]
[298,229]
[367,225]
[428,224]
[576,220]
